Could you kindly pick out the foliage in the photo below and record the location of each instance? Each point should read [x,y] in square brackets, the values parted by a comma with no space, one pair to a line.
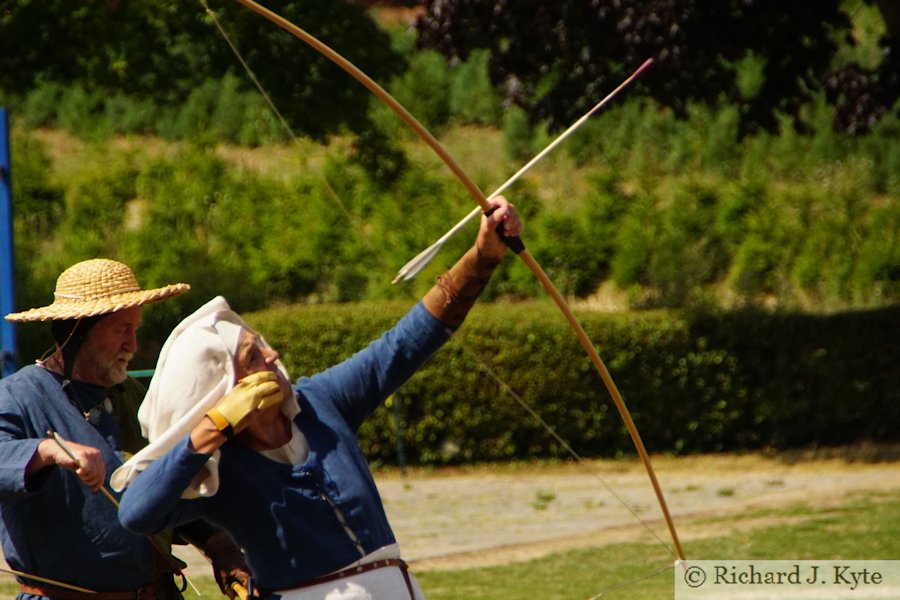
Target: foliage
[221,111]
[422,89]
[557,59]
[38,207]
[473,100]
[693,383]
[779,221]
[158,55]
[438,94]
[668,210]
[519,135]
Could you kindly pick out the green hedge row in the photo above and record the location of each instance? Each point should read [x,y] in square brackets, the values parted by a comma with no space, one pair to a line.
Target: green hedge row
[692,383]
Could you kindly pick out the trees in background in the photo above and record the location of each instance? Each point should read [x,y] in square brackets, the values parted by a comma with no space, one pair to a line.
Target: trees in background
[163,51]
[671,211]
[556,59]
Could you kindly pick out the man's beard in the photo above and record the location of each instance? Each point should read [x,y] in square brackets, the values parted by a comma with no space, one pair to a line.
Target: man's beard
[116,372]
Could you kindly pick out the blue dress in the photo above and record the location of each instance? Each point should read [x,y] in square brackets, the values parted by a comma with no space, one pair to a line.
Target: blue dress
[286,517]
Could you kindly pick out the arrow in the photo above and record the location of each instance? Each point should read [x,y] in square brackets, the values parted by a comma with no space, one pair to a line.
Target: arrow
[412,268]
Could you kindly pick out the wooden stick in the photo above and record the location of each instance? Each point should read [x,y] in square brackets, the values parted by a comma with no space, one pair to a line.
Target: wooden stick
[47,580]
[153,542]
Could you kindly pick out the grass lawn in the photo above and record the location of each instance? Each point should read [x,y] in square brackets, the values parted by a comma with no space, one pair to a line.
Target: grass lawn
[863,528]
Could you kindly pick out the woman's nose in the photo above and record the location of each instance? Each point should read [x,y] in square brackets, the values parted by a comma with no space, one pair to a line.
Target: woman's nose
[270,356]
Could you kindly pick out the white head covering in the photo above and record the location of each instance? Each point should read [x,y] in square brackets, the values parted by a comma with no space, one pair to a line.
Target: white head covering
[194,371]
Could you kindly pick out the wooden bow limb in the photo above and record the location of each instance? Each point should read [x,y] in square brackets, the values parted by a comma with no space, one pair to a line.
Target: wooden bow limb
[412,268]
[514,243]
[170,561]
[47,580]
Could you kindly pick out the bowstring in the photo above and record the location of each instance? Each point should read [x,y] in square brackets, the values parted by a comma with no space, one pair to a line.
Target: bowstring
[248,70]
[580,461]
[278,115]
[568,448]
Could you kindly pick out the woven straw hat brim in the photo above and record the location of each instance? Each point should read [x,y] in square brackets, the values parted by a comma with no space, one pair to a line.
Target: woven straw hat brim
[63,309]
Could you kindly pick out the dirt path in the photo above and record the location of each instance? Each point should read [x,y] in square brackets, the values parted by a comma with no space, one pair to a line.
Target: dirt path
[464,520]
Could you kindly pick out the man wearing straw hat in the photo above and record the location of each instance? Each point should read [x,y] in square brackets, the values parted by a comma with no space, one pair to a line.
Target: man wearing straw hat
[63,539]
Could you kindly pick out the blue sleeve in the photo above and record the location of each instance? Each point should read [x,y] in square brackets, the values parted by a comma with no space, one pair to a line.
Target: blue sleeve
[152,502]
[14,458]
[17,447]
[361,383]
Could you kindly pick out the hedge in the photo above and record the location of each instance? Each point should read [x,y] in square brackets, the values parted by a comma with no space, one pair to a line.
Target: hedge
[693,382]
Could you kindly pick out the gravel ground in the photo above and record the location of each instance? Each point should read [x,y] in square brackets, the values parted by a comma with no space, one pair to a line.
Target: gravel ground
[464,520]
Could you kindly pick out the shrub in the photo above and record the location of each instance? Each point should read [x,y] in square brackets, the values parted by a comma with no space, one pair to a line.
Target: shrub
[422,89]
[42,103]
[472,98]
[693,383]
[518,135]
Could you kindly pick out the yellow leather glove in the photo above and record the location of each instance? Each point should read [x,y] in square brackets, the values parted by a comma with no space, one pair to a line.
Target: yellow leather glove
[254,392]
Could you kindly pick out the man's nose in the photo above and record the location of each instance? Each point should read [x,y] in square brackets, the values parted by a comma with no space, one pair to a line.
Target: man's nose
[131,343]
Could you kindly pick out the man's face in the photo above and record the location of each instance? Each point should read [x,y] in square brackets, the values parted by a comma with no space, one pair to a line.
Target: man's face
[107,349]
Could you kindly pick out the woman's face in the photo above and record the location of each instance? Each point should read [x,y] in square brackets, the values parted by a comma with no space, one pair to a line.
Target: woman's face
[254,356]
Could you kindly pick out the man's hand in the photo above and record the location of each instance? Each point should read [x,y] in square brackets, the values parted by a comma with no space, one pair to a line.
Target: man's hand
[257,391]
[88,462]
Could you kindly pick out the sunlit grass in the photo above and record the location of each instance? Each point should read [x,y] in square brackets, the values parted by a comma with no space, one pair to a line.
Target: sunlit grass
[865,529]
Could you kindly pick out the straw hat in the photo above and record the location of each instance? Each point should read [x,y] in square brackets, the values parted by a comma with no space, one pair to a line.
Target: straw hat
[96,287]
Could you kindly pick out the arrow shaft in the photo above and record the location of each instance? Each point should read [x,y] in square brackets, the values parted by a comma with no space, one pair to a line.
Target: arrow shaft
[573,128]
[65,448]
[410,269]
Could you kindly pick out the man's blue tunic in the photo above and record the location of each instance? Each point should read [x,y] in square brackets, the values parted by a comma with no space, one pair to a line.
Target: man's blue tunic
[53,525]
